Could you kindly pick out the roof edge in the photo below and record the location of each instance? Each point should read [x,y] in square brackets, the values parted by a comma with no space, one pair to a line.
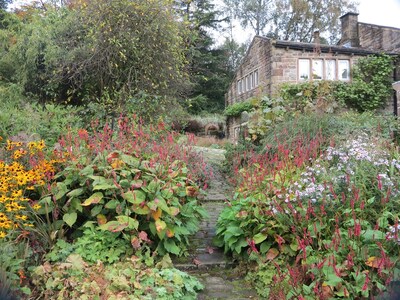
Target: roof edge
[329,48]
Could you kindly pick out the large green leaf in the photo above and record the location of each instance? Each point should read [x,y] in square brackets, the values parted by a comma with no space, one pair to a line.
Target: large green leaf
[75,192]
[114,226]
[132,223]
[171,247]
[94,199]
[135,197]
[112,204]
[130,160]
[371,234]
[70,218]
[140,210]
[260,237]
[161,203]
[62,189]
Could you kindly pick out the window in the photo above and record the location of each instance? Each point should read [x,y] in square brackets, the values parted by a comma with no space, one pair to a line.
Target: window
[344,69]
[250,81]
[330,69]
[239,86]
[317,69]
[304,69]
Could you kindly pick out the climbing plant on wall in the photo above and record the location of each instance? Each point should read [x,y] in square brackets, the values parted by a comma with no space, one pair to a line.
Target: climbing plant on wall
[371,85]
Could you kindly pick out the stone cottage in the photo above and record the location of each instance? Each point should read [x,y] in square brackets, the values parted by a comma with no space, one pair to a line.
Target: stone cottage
[269,63]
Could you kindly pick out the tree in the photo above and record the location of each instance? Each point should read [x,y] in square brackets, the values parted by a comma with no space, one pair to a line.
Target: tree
[255,14]
[206,63]
[4,4]
[102,49]
[296,20]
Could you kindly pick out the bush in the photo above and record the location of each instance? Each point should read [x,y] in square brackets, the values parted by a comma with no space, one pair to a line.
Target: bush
[236,109]
[134,278]
[315,96]
[135,180]
[46,122]
[323,224]
[371,87]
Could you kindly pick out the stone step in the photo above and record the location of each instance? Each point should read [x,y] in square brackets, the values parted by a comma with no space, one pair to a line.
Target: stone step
[223,284]
[203,259]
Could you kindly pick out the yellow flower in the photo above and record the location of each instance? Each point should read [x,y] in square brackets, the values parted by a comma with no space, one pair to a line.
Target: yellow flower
[16,194]
[21,217]
[36,206]
[2,234]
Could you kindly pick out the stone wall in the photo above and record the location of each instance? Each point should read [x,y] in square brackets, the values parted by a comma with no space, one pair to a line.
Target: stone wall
[257,58]
[379,37]
[285,64]
[368,36]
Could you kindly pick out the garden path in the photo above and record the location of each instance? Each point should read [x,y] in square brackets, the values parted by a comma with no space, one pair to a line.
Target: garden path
[206,262]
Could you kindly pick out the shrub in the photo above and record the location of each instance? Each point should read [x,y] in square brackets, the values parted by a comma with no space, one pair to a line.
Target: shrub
[130,279]
[267,113]
[315,96]
[325,226]
[193,126]
[135,180]
[236,109]
[370,88]
[48,121]
[92,246]
[13,263]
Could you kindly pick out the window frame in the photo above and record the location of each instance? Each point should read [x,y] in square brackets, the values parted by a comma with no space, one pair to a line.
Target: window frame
[308,64]
[304,62]
[339,76]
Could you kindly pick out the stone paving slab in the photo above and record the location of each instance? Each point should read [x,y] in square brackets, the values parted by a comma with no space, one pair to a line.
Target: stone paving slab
[220,288]
[206,262]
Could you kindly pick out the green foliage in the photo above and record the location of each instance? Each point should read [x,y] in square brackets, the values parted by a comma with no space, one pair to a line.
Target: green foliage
[207,63]
[21,117]
[370,88]
[84,51]
[329,126]
[267,113]
[316,224]
[315,96]
[137,186]
[236,109]
[292,20]
[130,279]
[93,245]
[14,258]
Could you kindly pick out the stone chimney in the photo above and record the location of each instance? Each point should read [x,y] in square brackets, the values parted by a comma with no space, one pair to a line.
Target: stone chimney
[350,36]
[316,40]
